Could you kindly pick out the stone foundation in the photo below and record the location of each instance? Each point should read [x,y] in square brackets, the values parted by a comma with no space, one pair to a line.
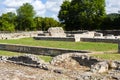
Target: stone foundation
[55,38]
[99,40]
[18,35]
[37,50]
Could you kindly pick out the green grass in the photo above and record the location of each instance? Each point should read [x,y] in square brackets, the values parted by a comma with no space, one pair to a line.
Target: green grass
[9,53]
[92,46]
[108,56]
[45,58]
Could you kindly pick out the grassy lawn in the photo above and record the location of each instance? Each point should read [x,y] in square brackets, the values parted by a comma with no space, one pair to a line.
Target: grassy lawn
[112,56]
[67,45]
[45,58]
[9,53]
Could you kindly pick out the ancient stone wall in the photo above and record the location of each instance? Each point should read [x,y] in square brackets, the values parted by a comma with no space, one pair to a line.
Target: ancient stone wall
[55,38]
[37,50]
[105,32]
[18,35]
[99,40]
[78,39]
[56,32]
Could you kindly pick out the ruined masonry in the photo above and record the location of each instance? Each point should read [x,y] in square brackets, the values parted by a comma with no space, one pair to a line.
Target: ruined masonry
[56,32]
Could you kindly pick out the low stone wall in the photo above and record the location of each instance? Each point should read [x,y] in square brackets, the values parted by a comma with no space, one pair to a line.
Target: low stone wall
[105,32]
[37,50]
[55,38]
[18,35]
[99,40]
[78,39]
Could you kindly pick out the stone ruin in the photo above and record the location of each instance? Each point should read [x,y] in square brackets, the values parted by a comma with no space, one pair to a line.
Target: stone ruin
[89,34]
[18,35]
[77,65]
[56,32]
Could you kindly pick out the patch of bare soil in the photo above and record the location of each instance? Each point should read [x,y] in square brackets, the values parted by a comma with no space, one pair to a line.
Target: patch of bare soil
[10,71]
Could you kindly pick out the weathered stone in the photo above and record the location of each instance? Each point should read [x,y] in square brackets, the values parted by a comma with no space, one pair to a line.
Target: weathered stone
[75,74]
[100,67]
[113,65]
[89,34]
[19,35]
[56,32]
[3,58]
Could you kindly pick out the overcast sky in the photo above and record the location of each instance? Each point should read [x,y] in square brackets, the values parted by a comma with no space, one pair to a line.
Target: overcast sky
[48,8]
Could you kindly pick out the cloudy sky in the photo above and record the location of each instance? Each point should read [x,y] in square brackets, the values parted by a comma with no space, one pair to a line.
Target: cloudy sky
[48,8]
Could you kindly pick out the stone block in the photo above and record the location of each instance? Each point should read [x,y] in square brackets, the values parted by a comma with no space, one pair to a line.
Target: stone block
[56,32]
[100,67]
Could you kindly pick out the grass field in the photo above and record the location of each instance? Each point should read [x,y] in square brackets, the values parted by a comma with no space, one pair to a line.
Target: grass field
[112,56]
[9,53]
[67,45]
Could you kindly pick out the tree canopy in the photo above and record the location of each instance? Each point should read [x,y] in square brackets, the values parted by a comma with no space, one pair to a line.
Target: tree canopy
[82,14]
[112,21]
[25,20]
[25,16]
[7,22]
[45,23]
[74,15]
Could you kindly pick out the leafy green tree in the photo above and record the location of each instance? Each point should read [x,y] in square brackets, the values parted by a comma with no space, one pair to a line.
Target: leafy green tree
[45,23]
[38,23]
[49,22]
[6,26]
[25,15]
[117,23]
[112,21]
[82,14]
[64,15]
[10,17]
[7,22]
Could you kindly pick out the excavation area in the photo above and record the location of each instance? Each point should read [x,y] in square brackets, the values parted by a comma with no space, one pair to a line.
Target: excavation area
[69,66]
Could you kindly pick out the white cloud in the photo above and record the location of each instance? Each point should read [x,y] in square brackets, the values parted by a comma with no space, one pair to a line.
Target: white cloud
[50,7]
[15,3]
[5,10]
[112,6]
[39,7]
[53,5]
[54,16]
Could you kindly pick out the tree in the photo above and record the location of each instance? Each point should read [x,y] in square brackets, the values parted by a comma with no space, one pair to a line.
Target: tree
[64,15]
[82,14]
[6,26]
[38,22]
[49,22]
[25,15]
[7,22]
[117,23]
[45,23]
[112,21]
